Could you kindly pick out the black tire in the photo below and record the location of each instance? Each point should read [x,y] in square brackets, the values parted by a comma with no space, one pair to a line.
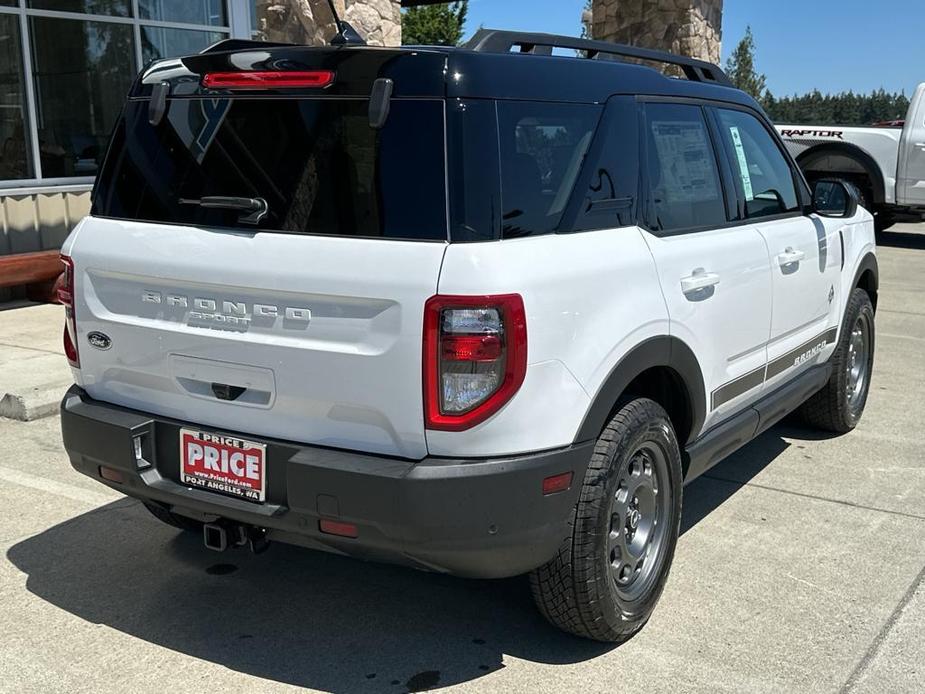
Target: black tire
[839,405]
[581,590]
[173,519]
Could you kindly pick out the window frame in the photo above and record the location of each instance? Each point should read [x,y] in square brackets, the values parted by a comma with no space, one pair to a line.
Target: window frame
[735,201]
[646,210]
[617,123]
[801,187]
[237,25]
[568,216]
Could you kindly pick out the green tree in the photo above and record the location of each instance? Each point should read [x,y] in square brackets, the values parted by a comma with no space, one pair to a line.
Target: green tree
[740,67]
[846,108]
[434,25]
[586,20]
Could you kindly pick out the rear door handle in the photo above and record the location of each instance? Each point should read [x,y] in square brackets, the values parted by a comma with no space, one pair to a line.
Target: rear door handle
[699,280]
[790,256]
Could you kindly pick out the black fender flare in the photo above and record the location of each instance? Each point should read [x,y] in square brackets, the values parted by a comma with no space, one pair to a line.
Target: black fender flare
[846,149]
[868,264]
[665,351]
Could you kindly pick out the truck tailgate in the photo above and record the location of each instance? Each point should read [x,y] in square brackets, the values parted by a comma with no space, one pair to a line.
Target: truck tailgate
[306,338]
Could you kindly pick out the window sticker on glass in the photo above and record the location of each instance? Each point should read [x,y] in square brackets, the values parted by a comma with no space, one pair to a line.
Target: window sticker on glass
[685,161]
[743,163]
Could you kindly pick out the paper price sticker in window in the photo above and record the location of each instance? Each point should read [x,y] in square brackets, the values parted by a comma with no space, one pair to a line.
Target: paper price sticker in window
[743,163]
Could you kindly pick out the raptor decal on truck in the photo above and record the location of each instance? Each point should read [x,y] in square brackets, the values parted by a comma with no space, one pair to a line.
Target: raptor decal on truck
[834,134]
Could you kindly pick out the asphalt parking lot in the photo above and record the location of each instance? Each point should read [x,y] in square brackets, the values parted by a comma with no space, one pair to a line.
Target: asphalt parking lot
[800,569]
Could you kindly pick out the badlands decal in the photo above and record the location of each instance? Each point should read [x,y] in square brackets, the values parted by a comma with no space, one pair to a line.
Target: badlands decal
[803,354]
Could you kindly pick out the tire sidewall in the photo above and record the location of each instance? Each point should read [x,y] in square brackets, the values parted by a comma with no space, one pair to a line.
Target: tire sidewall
[625,616]
[859,304]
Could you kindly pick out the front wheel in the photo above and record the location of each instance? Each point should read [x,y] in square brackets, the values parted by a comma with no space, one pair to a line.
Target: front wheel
[839,405]
[609,572]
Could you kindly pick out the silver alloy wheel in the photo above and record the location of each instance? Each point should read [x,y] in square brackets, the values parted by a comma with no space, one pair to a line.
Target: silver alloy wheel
[639,522]
[858,362]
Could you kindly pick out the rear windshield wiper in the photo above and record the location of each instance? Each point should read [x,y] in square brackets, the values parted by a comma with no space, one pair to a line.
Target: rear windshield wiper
[255,208]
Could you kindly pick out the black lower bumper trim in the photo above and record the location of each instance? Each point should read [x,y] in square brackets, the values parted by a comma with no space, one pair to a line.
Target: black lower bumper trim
[484,518]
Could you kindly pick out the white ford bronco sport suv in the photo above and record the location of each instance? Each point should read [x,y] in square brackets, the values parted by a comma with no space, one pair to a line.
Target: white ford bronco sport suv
[481,311]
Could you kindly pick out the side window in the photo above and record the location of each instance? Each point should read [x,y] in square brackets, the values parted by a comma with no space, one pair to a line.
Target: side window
[763,176]
[684,183]
[542,148]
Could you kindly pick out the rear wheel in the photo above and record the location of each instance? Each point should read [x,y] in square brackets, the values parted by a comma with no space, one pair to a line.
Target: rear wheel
[609,573]
[173,519]
[839,405]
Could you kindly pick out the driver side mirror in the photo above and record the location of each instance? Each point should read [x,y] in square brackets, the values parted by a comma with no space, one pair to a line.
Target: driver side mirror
[834,198]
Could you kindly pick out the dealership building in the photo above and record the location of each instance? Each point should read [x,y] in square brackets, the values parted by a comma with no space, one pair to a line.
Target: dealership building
[66,66]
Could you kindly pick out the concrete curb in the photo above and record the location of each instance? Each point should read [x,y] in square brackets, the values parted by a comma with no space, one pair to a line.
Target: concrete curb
[41,402]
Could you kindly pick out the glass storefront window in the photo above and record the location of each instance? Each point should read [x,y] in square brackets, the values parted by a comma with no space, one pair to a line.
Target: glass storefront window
[58,107]
[158,42]
[15,152]
[206,12]
[82,72]
[119,8]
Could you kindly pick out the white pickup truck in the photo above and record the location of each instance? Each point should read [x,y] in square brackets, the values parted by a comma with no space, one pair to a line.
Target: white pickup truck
[887,165]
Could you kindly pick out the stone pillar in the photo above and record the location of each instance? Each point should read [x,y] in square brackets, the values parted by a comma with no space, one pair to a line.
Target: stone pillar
[686,27]
[309,21]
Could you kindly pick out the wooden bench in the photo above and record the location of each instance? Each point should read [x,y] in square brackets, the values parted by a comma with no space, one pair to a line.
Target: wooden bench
[37,271]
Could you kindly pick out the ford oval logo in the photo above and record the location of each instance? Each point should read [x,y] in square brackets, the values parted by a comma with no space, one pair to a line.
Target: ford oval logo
[99,340]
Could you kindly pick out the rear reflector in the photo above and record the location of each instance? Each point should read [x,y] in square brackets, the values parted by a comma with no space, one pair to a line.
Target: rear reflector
[107,473]
[313,79]
[557,483]
[332,527]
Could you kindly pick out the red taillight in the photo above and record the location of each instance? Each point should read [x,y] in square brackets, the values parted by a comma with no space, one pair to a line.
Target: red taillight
[471,348]
[66,299]
[475,357]
[313,79]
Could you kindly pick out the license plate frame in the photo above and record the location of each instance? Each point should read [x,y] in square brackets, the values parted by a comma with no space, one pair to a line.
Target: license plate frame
[226,465]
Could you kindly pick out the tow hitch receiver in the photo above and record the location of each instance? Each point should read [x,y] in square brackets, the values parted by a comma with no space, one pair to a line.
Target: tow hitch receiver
[220,536]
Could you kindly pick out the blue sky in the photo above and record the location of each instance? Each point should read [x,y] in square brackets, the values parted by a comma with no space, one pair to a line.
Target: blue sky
[802,44]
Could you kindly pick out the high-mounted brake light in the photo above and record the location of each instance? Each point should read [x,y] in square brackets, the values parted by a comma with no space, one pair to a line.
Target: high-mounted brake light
[475,357]
[269,79]
[66,299]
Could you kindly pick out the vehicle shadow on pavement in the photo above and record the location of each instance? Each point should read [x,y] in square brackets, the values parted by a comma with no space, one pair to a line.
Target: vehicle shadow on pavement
[308,618]
[901,239]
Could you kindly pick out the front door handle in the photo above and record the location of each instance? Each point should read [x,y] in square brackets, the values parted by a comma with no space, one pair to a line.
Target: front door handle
[699,280]
[790,256]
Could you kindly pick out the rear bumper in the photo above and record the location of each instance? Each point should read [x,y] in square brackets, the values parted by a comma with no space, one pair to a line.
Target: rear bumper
[484,518]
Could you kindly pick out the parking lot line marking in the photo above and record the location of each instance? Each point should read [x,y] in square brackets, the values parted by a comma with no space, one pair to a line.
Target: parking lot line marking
[33,349]
[43,484]
[882,634]
[904,337]
[813,496]
[904,313]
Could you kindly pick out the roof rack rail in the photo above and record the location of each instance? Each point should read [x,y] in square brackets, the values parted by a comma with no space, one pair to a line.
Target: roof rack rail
[499,41]
[241,44]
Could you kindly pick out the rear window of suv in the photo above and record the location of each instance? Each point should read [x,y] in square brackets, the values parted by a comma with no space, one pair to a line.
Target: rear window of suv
[317,163]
